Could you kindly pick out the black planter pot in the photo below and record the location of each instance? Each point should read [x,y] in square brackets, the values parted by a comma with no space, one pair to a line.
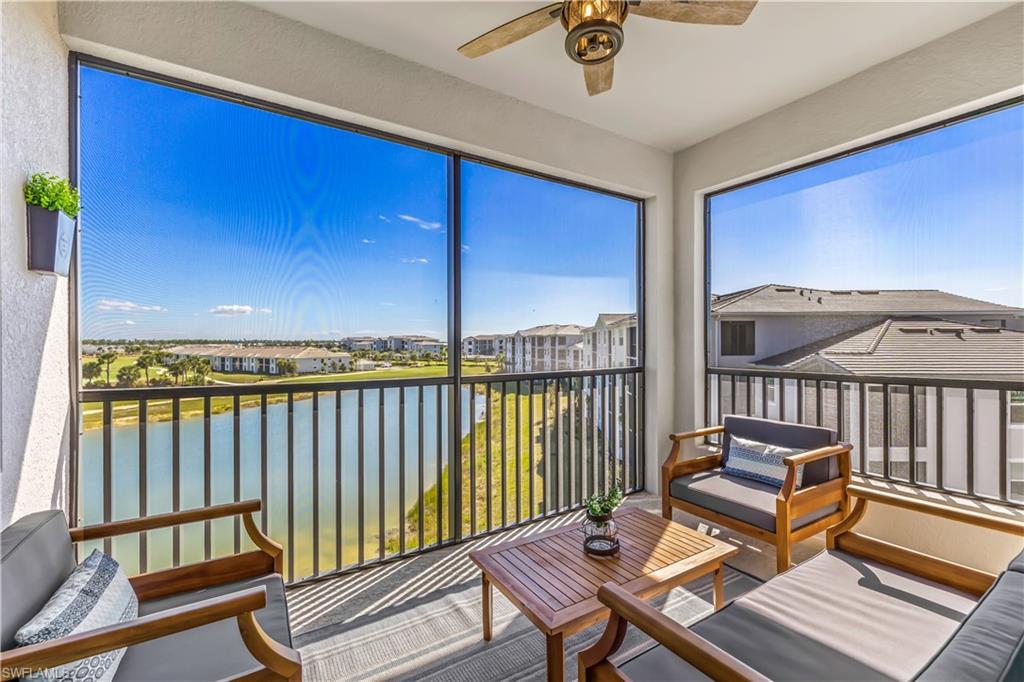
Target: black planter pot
[600,535]
[50,237]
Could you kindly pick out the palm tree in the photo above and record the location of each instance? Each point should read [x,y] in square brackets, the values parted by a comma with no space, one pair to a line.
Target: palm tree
[178,369]
[146,360]
[200,369]
[107,358]
[91,371]
[128,375]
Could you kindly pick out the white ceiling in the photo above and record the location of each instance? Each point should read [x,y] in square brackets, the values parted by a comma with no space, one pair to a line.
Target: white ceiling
[675,84]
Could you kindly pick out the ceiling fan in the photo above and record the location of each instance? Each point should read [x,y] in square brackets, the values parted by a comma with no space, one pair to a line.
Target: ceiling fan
[594,28]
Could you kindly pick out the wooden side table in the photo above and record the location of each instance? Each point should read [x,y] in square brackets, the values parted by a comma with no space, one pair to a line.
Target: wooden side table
[554,583]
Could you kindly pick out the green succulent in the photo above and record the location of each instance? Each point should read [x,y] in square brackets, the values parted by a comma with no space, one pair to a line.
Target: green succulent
[53,193]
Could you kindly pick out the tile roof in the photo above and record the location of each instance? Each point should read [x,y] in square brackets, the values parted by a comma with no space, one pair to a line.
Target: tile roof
[237,351]
[552,330]
[913,346]
[782,299]
[609,319]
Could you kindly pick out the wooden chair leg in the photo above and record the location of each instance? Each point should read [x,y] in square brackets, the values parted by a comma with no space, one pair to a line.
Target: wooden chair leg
[782,536]
[783,555]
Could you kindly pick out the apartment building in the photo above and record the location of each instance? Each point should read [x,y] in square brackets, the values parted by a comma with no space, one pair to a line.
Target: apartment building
[545,348]
[610,342]
[262,359]
[483,345]
[756,323]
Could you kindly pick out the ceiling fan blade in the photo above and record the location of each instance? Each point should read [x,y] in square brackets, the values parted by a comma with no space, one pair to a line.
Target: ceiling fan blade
[599,77]
[728,13]
[508,33]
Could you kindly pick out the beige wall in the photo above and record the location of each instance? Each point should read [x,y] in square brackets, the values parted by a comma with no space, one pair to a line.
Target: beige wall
[979,64]
[34,389]
[247,50]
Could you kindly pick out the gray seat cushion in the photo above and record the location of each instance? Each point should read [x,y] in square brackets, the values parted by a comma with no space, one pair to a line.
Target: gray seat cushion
[739,498]
[36,557]
[210,652]
[784,434]
[833,617]
[990,644]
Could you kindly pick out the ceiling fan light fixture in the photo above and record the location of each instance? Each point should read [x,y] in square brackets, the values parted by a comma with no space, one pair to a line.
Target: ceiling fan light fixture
[594,29]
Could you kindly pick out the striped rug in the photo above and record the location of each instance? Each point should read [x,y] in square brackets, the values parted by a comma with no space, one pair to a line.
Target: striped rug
[420,619]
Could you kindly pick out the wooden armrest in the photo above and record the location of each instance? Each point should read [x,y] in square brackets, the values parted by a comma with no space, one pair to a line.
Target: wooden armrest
[812,455]
[1014,526]
[21,661]
[691,466]
[695,650]
[106,530]
[699,433]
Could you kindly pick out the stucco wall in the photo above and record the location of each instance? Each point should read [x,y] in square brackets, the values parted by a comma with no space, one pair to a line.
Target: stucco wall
[979,64]
[34,389]
[247,50]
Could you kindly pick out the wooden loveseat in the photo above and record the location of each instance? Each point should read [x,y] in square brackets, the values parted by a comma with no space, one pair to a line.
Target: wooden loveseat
[779,516]
[219,619]
[862,609]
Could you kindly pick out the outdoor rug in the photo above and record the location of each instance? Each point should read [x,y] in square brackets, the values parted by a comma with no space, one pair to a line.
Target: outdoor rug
[420,619]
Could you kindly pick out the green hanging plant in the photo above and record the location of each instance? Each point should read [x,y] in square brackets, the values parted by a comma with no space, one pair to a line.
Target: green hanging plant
[53,193]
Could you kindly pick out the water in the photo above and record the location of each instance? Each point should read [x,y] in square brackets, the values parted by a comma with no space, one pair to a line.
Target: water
[125,461]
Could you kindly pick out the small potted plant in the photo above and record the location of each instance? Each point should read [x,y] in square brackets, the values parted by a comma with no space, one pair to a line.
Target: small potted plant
[53,206]
[600,534]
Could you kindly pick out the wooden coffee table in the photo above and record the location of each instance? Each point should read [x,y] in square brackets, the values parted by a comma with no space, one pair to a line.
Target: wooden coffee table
[554,583]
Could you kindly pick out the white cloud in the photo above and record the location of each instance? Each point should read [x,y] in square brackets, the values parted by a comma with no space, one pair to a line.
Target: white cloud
[129,322]
[368,241]
[418,261]
[384,218]
[465,247]
[389,305]
[264,310]
[229,310]
[420,223]
[127,306]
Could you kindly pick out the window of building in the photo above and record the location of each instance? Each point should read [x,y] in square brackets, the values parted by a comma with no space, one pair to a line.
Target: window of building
[737,338]
[1017,407]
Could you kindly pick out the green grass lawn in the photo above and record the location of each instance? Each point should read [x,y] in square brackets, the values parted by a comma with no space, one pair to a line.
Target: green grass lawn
[475,459]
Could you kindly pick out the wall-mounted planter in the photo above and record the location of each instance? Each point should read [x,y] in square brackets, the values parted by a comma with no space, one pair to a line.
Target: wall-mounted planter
[50,237]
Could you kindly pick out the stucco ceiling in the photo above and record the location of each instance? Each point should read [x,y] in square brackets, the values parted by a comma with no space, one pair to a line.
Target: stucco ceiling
[675,84]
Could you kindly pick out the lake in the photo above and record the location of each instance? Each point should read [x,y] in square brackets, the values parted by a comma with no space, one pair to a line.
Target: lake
[125,461]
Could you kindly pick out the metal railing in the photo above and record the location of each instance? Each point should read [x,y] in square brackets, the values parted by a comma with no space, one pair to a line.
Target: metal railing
[957,436]
[353,473]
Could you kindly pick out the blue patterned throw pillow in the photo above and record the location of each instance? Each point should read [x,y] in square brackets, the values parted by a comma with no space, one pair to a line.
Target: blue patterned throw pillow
[760,462]
[97,593]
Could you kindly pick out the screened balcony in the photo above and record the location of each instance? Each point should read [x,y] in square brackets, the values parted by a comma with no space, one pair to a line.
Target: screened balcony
[356,334]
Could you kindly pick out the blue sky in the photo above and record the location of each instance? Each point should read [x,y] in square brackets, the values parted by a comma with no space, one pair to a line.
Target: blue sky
[207,219]
[943,210]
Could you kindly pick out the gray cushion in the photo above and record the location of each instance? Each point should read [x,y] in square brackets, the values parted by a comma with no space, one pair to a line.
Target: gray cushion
[833,617]
[211,652]
[990,644]
[738,498]
[796,436]
[659,664]
[36,557]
